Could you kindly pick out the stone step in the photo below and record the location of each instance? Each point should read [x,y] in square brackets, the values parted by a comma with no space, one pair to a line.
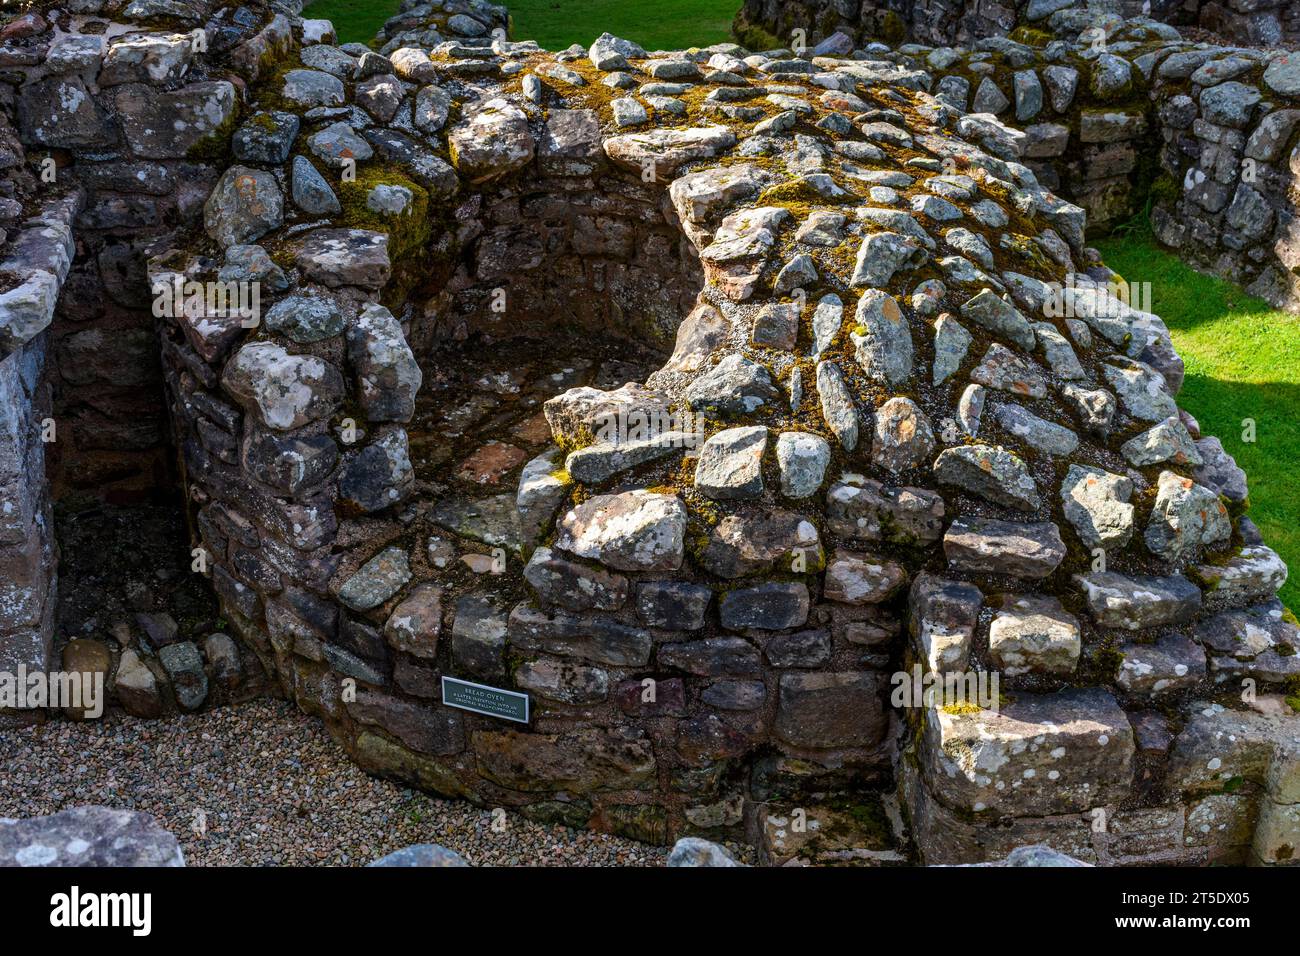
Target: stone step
[862,830]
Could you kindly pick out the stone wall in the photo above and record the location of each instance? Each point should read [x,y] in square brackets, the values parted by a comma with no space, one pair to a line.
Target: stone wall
[147,110]
[708,633]
[1206,136]
[36,251]
[865,445]
[1117,115]
[1082,118]
[1230,169]
[580,252]
[26,539]
[770,23]
[131,123]
[1256,22]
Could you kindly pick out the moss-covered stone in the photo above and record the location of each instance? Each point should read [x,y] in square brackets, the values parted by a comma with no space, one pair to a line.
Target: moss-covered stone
[408,231]
[642,821]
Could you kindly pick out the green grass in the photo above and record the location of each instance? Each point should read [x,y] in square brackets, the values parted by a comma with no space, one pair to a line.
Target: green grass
[655,24]
[355,21]
[1243,361]
[556,24]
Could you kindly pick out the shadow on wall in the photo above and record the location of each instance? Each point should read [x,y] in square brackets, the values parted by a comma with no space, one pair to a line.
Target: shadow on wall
[1243,366]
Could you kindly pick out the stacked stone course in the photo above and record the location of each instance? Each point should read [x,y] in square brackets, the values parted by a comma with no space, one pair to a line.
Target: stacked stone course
[121,125]
[1121,114]
[905,459]
[1266,23]
[35,254]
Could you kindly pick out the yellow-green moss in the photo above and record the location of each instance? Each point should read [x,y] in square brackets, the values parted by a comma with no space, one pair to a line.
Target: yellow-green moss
[407,231]
[271,68]
[892,28]
[1165,189]
[581,438]
[793,192]
[265,121]
[1108,660]
[215,147]
[1030,37]
[753,37]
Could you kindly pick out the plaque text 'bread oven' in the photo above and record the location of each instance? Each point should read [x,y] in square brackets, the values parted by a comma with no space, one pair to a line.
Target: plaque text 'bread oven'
[481,699]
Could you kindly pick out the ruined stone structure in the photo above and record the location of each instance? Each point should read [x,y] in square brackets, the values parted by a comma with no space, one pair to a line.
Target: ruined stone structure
[1267,23]
[698,395]
[38,254]
[1121,114]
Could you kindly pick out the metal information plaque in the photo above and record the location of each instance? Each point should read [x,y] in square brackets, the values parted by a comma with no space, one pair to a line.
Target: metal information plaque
[481,699]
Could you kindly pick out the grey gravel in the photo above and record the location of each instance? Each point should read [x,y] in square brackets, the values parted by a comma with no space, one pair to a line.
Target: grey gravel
[273,789]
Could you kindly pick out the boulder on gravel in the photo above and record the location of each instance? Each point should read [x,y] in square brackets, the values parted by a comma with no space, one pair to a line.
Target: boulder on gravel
[88,836]
[692,851]
[421,854]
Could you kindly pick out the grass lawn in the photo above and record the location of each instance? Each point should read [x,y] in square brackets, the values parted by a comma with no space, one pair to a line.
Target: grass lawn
[355,21]
[1243,361]
[556,24]
[657,25]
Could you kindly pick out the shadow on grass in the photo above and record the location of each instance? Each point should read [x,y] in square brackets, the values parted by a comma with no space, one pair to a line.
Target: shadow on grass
[1182,296]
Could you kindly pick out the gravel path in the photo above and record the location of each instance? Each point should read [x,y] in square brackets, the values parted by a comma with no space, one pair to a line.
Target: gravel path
[273,789]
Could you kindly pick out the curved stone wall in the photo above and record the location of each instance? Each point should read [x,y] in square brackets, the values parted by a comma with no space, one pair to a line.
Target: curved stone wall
[1118,115]
[770,23]
[883,440]
[708,633]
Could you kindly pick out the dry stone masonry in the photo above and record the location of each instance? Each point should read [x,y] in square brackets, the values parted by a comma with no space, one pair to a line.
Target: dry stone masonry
[34,265]
[699,395]
[1268,23]
[1115,110]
